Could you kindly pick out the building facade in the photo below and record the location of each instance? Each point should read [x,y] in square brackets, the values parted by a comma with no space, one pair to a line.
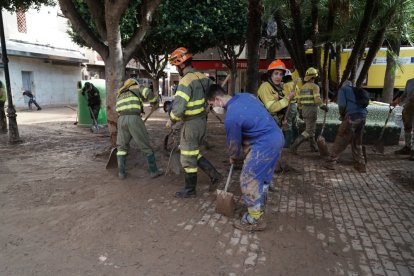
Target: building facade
[42,57]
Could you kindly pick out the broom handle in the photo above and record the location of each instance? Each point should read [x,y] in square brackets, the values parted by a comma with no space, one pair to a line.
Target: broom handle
[284,120]
[386,122]
[229,177]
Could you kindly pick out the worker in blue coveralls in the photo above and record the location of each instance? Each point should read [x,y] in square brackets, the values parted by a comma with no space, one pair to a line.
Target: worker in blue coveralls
[252,134]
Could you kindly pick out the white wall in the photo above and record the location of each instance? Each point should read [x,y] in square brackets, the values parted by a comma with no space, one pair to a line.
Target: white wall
[52,84]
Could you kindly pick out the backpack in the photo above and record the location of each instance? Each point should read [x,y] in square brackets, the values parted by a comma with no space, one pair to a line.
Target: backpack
[361,97]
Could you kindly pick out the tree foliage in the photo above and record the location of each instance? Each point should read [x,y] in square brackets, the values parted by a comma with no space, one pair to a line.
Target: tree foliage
[13,5]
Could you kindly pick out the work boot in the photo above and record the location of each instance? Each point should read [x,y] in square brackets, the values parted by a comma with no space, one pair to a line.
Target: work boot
[295,145]
[190,186]
[360,167]
[411,156]
[288,138]
[213,174]
[313,144]
[121,166]
[403,151]
[152,166]
[246,223]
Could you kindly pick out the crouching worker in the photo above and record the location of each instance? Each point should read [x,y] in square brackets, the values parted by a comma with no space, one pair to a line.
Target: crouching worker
[249,124]
[129,107]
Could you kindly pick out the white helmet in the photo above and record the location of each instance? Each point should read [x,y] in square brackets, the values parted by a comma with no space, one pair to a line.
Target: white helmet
[288,73]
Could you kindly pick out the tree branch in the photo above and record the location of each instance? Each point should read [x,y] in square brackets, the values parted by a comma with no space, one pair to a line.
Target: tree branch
[98,16]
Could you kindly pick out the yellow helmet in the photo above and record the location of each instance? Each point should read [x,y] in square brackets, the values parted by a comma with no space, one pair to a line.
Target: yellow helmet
[311,73]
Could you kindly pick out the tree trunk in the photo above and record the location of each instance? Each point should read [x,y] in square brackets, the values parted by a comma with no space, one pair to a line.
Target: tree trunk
[298,43]
[156,85]
[316,57]
[389,79]
[372,52]
[363,32]
[254,25]
[114,75]
[325,81]
[338,64]
[233,78]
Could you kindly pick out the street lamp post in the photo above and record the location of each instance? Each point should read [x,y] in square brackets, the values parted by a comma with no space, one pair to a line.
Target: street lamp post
[14,137]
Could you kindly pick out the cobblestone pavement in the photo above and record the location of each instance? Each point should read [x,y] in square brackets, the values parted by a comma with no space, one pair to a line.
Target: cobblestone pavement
[364,219]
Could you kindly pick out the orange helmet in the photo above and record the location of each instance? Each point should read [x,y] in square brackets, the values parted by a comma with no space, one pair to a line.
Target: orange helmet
[277,64]
[179,56]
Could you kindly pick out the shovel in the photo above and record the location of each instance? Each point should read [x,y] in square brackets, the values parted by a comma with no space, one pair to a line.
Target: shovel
[112,160]
[225,203]
[322,146]
[379,144]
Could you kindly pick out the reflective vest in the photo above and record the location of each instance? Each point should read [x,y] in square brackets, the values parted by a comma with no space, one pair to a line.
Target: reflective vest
[309,95]
[189,101]
[267,94]
[131,100]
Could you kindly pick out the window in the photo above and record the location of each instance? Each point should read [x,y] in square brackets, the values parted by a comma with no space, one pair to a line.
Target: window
[21,22]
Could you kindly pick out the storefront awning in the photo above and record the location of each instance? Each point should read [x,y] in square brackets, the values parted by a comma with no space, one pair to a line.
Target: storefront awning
[50,53]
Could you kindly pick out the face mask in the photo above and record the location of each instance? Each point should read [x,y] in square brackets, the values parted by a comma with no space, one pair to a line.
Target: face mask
[219,109]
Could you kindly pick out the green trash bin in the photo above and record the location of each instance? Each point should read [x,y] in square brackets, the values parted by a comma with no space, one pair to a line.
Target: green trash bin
[84,117]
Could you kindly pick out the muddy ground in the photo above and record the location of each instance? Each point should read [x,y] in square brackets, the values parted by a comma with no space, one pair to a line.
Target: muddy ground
[62,213]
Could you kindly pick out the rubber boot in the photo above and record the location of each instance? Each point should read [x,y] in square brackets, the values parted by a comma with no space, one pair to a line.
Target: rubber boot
[288,138]
[152,167]
[213,174]
[313,144]
[121,166]
[295,145]
[190,186]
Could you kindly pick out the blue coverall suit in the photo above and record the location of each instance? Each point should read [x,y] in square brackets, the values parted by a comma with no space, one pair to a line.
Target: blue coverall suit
[250,127]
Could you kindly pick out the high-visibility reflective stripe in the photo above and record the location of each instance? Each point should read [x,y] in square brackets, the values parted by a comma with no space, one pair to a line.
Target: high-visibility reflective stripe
[194,111]
[255,214]
[175,118]
[182,95]
[121,152]
[269,103]
[128,106]
[194,103]
[199,156]
[190,152]
[307,102]
[128,99]
[190,170]
[153,100]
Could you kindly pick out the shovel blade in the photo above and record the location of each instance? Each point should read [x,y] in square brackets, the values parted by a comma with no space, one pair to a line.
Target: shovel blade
[322,146]
[174,164]
[379,146]
[225,203]
[112,161]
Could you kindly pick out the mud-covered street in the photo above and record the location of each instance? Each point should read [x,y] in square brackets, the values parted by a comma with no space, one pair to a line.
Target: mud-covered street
[62,213]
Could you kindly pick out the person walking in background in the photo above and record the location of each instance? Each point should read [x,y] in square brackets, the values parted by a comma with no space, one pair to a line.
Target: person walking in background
[250,130]
[94,100]
[3,98]
[353,117]
[309,99]
[32,100]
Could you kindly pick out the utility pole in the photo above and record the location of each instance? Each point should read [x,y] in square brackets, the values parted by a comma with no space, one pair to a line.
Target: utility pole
[14,137]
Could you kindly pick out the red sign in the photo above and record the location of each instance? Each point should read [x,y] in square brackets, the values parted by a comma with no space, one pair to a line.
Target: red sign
[241,64]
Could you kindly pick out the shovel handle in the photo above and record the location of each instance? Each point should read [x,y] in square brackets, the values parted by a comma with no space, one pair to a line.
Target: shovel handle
[229,177]
[386,122]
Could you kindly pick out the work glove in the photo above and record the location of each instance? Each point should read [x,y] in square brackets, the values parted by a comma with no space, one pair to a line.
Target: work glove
[324,108]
